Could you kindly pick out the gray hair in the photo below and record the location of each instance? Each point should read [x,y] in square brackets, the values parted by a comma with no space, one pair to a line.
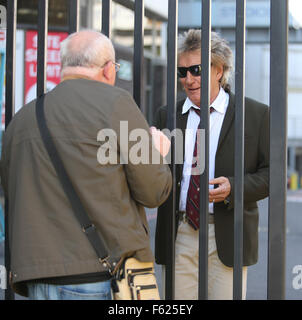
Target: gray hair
[87,49]
[221,53]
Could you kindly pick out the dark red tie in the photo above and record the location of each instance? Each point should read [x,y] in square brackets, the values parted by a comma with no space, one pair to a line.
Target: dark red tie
[192,206]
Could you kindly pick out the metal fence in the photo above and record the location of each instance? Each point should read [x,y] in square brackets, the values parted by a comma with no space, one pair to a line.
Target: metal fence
[278,125]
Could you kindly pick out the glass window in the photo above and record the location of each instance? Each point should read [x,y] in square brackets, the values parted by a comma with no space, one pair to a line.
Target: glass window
[27,12]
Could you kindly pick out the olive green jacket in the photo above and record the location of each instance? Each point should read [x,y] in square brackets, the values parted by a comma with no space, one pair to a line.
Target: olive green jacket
[45,237]
[256,181]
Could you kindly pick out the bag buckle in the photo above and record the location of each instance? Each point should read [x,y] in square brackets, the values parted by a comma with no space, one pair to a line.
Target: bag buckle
[86,229]
[104,261]
[106,264]
[112,265]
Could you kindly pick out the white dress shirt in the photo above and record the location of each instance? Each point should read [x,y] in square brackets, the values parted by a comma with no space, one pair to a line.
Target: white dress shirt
[220,105]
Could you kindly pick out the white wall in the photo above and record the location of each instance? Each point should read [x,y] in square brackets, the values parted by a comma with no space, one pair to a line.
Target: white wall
[257,72]
[160,6]
[258,86]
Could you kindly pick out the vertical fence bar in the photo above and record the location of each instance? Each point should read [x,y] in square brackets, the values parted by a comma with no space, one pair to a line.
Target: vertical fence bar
[171,125]
[204,126]
[239,148]
[138,64]
[74,14]
[42,46]
[9,112]
[278,149]
[106,17]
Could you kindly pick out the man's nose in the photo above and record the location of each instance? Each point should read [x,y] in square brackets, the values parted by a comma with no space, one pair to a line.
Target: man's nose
[189,77]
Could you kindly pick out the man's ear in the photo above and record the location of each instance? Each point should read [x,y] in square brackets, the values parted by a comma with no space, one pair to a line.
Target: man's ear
[107,71]
[219,72]
[105,74]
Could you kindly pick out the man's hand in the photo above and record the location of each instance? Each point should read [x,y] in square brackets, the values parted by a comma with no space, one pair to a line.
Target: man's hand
[160,141]
[219,194]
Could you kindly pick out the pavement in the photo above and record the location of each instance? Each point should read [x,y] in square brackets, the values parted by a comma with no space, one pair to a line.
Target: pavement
[294,195]
[257,274]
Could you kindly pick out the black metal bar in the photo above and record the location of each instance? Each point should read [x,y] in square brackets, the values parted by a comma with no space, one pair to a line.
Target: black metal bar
[278,149]
[106,17]
[9,112]
[42,46]
[138,64]
[74,15]
[171,125]
[10,61]
[204,125]
[239,148]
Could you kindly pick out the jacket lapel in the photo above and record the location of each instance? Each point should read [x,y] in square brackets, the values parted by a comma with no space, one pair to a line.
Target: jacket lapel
[228,119]
[181,123]
[181,119]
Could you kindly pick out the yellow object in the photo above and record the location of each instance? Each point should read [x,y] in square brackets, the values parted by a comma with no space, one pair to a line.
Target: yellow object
[136,281]
[294,181]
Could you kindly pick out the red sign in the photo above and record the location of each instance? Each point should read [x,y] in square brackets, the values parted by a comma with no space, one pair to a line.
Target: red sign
[53,73]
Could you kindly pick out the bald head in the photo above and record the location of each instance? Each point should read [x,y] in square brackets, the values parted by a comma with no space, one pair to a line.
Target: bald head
[84,52]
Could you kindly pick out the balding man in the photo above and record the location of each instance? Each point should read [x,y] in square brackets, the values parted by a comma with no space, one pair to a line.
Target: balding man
[51,257]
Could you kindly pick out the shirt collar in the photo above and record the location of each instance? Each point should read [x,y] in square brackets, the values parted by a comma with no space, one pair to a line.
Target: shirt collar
[219,104]
[187,106]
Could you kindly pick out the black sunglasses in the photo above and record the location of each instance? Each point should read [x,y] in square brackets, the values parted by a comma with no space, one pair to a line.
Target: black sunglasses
[194,70]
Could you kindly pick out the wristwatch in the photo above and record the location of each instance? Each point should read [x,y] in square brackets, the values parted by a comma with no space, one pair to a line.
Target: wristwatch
[226,200]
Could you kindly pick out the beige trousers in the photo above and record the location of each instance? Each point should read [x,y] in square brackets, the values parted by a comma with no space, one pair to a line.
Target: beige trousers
[220,277]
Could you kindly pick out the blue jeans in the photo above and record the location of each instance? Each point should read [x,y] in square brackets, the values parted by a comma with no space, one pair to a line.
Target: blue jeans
[85,291]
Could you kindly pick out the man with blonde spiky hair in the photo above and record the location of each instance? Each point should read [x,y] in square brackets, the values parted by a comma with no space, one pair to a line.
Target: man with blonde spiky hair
[221,173]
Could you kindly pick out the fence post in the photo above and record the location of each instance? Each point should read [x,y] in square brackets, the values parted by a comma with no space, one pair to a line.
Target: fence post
[278,150]
[204,125]
[106,17]
[9,111]
[138,65]
[42,46]
[171,125]
[239,149]
[74,13]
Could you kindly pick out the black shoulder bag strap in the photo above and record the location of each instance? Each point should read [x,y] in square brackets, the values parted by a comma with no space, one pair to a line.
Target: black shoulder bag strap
[88,227]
